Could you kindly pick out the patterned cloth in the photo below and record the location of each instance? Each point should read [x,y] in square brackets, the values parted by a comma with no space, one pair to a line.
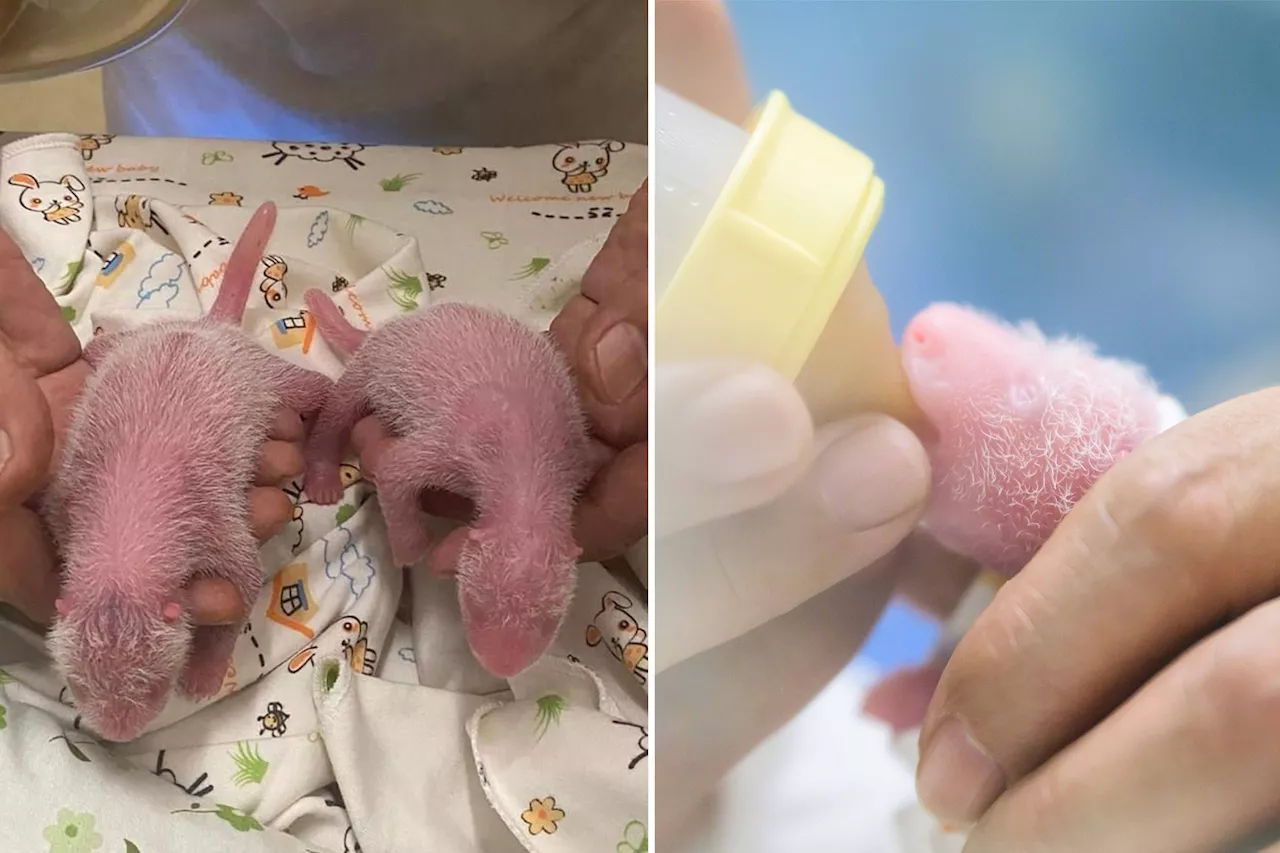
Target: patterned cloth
[340,726]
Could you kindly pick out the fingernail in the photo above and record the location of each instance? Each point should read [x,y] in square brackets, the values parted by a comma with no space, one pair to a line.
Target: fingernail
[622,362]
[6,448]
[738,431]
[958,779]
[872,475]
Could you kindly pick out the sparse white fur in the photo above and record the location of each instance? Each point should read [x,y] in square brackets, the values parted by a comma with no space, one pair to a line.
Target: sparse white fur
[1026,425]
[150,493]
[484,407]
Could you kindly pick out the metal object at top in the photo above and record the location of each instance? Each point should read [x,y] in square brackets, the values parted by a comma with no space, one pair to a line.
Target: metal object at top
[46,42]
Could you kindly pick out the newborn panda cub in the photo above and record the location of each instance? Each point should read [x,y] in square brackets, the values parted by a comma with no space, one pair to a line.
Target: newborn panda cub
[482,406]
[151,492]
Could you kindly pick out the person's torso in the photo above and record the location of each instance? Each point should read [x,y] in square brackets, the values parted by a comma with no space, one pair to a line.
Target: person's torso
[438,72]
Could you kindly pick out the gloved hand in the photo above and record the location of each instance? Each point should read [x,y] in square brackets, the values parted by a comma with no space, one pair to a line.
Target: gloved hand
[815,530]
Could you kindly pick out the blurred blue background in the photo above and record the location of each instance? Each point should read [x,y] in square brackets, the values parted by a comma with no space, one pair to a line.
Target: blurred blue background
[1106,169]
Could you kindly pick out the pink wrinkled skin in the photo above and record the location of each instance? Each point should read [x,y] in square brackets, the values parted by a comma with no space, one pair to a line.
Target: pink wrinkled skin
[151,492]
[481,406]
[1025,427]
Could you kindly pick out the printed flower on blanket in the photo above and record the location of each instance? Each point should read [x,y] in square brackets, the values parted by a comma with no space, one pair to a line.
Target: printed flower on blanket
[635,838]
[543,816]
[73,833]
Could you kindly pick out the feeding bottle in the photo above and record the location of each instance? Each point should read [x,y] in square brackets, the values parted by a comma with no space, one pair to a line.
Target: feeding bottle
[760,235]
[761,231]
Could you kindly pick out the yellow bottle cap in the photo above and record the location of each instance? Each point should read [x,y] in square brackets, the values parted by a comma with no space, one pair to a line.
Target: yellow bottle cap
[780,245]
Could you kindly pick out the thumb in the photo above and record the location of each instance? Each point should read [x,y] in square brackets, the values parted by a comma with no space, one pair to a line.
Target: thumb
[26,431]
[731,436]
[863,494]
[28,565]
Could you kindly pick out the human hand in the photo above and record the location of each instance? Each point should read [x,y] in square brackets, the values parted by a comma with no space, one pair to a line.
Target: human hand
[603,332]
[41,375]
[1119,694]
[814,531]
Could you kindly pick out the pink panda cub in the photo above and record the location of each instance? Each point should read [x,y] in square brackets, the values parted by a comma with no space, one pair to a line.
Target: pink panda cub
[152,492]
[482,406]
[1024,426]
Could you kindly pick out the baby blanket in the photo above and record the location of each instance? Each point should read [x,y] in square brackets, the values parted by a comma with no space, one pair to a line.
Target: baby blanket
[341,726]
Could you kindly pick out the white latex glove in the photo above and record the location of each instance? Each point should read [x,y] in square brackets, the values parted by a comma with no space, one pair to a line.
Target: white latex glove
[741,473]
[777,546]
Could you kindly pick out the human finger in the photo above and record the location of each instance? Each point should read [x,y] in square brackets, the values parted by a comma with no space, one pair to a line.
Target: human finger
[862,496]
[1174,537]
[566,328]
[731,436]
[60,390]
[619,273]
[696,55]
[369,440]
[610,352]
[32,325]
[613,512]
[26,431]
[269,511]
[280,460]
[287,426]
[1187,765]
[214,601]
[28,565]
[613,371]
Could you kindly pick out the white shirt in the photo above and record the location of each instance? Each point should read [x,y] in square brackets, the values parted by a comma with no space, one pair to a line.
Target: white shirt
[431,72]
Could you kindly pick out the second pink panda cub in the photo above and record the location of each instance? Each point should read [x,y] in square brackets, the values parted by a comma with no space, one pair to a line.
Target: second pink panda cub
[483,406]
[1024,427]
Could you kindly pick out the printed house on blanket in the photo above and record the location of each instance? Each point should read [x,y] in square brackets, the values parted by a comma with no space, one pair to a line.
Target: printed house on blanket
[292,604]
